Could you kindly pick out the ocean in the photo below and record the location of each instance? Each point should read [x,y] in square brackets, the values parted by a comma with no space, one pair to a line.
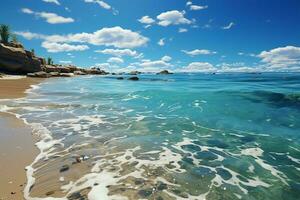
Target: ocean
[179,136]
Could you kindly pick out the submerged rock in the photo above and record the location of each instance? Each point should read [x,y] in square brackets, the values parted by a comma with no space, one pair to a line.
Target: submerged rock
[120,78]
[64,168]
[134,78]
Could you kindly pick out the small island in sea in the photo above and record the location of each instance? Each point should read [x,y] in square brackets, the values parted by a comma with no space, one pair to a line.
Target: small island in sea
[128,100]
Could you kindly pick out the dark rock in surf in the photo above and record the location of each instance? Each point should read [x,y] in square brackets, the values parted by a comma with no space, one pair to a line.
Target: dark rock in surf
[134,78]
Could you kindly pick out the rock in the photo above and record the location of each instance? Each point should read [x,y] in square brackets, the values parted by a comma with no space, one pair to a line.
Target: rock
[120,78]
[14,59]
[164,72]
[40,74]
[64,168]
[50,68]
[134,72]
[54,74]
[97,71]
[66,74]
[133,78]
[79,73]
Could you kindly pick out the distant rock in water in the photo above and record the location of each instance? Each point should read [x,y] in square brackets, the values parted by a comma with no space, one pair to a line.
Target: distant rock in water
[164,72]
[120,78]
[134,73]
[15,59]
[133,78]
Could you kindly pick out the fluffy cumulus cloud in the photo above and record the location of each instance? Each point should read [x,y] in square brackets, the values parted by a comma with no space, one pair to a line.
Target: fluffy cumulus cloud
[281,59]
[146,20]
[114,36]
[154,64]
[199,52]
[51,18]
[198,67]
[55,47]
[115,60]
[166,58]
[52,1]
[229,26]
[118,52]
[173,17]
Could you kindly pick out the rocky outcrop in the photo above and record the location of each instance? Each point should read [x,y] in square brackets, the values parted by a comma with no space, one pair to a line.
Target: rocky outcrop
[15,59]
[164,72]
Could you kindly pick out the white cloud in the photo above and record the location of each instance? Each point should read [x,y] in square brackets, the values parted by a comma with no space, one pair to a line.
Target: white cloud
[52,1]
[146,20]
[199,52]
[54,47]
[198,67]
[182,30]
[65,61]
[173,17]
[115,60]
[161,42]
[189,3]
[51,18]
[166,58]
[229,26]
[157,64]
[282,58]
[118,52]
[196,7]
[27,11]
[100,3]
[104,5]
[29,36]
[114,36]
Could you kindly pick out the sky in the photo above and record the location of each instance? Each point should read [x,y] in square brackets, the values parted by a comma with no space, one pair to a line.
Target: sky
[152,35]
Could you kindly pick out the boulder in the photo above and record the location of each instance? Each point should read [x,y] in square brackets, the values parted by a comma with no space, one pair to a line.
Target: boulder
[14,59]
[79,73]
[97,71]
[133,78]
[120,78]
[40,74]
[54,74]
[66,74]
[50,68]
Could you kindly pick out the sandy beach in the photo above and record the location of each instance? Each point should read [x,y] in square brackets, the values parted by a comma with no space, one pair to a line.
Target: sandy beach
[17,148]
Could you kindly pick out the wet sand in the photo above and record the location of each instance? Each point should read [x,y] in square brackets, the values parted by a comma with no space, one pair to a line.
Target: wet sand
[17,148]
[15,88]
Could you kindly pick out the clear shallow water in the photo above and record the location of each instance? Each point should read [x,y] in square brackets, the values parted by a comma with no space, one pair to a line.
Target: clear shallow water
[183,136]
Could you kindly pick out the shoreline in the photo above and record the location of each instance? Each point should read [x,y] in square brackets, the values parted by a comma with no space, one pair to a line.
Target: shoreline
[17,143]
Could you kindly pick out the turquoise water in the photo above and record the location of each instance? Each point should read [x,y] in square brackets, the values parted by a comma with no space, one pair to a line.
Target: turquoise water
[181,136]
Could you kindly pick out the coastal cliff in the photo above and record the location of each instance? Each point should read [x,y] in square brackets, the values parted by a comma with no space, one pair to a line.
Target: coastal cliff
[16,60]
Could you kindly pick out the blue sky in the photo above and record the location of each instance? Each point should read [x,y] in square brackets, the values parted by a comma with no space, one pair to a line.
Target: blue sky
[151,35]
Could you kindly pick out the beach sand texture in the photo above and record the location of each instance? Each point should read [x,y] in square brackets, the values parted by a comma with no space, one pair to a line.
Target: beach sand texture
[17,148]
